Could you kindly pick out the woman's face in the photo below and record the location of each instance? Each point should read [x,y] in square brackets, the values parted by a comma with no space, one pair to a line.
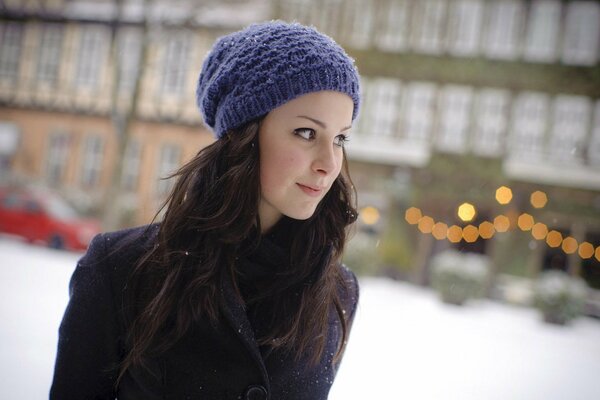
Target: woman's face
[301,154]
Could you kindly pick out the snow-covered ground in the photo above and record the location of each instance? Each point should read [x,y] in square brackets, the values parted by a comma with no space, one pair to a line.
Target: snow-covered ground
[405,343]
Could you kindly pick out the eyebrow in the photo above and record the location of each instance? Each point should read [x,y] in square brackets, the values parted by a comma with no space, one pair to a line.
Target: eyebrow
[321,123]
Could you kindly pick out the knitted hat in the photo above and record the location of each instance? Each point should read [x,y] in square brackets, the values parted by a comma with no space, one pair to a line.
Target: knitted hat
[250,72]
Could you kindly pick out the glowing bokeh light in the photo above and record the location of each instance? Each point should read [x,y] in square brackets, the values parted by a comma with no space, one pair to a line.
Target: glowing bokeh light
[470,233]
[413,215]
[439,230]
[369,215]
[501,223]
[454,234]
[539,231]
[466,212]
[525,222]
[426,224]
[554,238]
[569,245]
[586,250]
[538,199]
[503,195]
[486,230]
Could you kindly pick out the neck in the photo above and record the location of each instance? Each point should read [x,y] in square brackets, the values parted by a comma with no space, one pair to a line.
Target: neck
[268,218]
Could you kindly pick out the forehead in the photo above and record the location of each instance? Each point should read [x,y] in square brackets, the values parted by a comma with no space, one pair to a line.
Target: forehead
[333,108]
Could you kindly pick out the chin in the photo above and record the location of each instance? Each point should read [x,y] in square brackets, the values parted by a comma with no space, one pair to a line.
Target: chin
[301,215]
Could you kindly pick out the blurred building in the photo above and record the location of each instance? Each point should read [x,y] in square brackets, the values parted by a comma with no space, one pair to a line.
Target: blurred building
[77,75]
[460,97]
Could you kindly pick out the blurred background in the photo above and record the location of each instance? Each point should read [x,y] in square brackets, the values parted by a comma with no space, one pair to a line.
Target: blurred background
[476,155]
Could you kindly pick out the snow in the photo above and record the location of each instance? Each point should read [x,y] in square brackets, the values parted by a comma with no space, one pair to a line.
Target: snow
[405,343]
[408,344]
[34,292]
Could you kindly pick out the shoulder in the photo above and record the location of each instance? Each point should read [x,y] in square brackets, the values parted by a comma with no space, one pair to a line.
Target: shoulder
[92,330]
[131,240]
[349,277]
[124,244]
[111,255]
[351,291]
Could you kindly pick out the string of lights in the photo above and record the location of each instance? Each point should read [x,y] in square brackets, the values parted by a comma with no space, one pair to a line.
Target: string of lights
[500,224]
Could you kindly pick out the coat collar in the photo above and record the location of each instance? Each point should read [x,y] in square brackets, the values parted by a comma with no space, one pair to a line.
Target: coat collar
[234,311]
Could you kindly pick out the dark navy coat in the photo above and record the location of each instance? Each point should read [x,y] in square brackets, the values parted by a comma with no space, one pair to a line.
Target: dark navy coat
[210,362]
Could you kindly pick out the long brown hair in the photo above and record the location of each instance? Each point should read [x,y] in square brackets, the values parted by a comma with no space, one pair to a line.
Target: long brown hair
[211,210]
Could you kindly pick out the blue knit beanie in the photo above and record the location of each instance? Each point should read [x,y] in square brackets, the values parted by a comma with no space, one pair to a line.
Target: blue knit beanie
[250,72]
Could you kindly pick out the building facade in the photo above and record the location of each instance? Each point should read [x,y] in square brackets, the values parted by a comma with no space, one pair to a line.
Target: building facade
[460,97]
[78,76]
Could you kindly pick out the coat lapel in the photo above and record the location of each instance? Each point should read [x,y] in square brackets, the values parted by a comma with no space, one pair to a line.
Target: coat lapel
[235,313]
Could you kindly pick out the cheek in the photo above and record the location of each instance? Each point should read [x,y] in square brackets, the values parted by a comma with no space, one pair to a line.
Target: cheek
[277,170]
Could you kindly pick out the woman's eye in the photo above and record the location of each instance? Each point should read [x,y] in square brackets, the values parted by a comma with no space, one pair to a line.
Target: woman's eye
[341,140]
[305,133]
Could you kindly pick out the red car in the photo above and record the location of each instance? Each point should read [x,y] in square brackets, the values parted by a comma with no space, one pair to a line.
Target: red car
[39,215]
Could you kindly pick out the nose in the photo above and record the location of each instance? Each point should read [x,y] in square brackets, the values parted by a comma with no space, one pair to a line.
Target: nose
[327,159]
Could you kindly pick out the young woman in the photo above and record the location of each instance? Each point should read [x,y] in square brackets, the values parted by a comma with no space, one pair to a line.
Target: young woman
[239,292]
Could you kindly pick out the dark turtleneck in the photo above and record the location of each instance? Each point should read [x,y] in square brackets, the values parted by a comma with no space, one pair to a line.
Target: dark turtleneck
[258,267]
[262,259]
[263,274]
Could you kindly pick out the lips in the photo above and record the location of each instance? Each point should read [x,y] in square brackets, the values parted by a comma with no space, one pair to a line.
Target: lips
[310,190]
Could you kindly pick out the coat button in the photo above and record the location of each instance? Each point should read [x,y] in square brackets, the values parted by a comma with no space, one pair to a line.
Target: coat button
[256,392]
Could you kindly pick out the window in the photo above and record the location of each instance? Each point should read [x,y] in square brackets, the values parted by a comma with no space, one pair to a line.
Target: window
[490,122]
[92,55]
[10,49]
[503,25]
[131,165]
[49,53]
[570,118]
[582,33]
[541,43]
[91,163]
[464,27]
[325,16]
[168,163]
[393,30]
[529,121]
[296,10]
[130,51]
[57,156]
[359,22]
[175,63]
[427,29]
[364,121]
[385,103]
[594,145]
[417,111]
[455,111]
